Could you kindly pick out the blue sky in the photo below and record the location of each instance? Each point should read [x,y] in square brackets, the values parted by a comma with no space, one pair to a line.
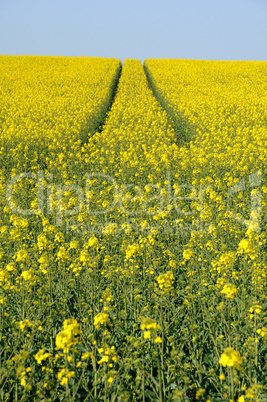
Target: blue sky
[136,29]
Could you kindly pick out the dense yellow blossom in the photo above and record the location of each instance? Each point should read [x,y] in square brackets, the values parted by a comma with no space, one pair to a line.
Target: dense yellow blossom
[148,229]
[69,336]
[165,280]
[230,290]
[41,355]
[101,318]
[230,358]
[53,98]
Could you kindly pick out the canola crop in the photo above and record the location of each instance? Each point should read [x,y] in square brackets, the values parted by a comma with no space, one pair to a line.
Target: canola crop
[50,102]
[140,271]
[220,107]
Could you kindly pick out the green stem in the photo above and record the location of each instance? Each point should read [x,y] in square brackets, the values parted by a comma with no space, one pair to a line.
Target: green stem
[143,381]
[232,383]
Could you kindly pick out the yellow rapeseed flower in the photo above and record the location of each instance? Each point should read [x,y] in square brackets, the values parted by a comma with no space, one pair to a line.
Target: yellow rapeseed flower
[230,290]
[231,358]
[100,319]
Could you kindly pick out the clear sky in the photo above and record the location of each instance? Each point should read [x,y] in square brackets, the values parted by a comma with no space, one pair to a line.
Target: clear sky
[136,29]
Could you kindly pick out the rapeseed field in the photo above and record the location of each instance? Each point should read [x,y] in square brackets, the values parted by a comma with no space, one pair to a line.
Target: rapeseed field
[132,237]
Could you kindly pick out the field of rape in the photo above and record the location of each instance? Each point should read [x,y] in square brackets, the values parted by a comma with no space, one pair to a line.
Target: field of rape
[133,237]
[51,103]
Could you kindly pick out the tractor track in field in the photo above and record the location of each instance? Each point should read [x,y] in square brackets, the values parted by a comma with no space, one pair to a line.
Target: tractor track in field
[177,138]
[112,100]
[102,124]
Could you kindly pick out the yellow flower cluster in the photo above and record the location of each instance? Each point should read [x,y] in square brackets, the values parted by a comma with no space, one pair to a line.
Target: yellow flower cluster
[231,358]
[108,355]
[165,281]
[230,290]
[69,336]
[64,375]
[132,250]
[24,324]
[255,309]
[100,319]
[147,325]
[42,355]
[262,331]
[187,254]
